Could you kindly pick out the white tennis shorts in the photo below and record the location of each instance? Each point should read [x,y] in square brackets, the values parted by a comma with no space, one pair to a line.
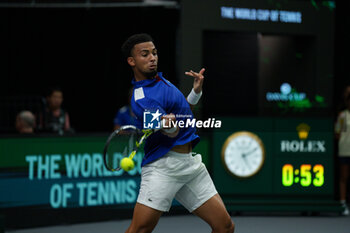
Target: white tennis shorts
[176,175]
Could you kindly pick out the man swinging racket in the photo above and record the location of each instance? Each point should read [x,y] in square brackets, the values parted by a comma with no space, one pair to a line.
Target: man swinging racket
[169,169]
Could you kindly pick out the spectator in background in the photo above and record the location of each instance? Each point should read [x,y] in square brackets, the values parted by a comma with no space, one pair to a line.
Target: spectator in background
[346,92]
[25,122]
[342,132]
[342,105]
[54,119]
[125,116]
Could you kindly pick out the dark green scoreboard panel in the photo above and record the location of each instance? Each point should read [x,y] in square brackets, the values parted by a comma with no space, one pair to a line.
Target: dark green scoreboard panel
[67,172]
[296,172]
[62,172]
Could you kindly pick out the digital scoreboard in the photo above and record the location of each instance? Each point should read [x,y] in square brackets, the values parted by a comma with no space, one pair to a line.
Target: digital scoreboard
[306,175]
[281,161]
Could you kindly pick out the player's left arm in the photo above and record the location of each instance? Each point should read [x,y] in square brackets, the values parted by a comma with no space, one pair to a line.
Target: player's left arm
[196,91]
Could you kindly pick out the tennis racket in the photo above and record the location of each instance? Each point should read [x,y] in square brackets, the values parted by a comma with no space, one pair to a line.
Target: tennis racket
[123,142]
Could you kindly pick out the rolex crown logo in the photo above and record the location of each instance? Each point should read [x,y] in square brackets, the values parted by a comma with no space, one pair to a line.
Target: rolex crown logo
[303,131]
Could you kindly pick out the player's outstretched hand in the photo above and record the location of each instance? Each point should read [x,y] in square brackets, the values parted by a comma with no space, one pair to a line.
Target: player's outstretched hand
[198,79]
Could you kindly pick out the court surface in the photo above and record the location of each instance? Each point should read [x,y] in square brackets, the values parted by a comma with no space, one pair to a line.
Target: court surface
[192,224]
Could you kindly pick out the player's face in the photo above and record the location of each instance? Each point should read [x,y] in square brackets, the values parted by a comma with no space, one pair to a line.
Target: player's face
[145,59]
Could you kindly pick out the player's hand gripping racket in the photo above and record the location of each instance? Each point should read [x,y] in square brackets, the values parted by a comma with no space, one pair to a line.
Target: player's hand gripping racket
[124,143]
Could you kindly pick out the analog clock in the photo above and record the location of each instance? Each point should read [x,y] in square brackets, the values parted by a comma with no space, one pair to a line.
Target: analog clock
[243,154]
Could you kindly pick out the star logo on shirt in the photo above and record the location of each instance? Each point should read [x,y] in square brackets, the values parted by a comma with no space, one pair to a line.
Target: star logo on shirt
[156,115]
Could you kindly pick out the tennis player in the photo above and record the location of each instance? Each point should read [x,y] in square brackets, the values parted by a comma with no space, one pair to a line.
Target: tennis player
[169,168]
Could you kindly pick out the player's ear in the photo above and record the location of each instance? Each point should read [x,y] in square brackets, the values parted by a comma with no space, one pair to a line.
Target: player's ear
[131,61]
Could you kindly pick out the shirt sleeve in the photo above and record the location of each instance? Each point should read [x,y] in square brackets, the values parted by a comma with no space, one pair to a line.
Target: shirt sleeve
[146,106]
[117,119]
[176,103]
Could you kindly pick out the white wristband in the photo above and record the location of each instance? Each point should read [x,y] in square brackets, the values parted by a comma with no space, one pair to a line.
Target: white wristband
[193,97]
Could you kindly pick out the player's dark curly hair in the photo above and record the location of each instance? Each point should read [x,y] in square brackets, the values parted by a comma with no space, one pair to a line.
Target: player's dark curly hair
[129,44]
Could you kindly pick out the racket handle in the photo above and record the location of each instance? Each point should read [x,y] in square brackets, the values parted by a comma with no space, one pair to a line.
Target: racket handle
[132,154]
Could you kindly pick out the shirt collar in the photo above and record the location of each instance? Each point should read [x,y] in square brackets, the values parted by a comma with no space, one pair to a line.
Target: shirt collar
[147,82]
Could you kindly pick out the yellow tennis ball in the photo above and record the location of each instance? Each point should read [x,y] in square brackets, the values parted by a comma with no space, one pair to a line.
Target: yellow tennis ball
[127,164]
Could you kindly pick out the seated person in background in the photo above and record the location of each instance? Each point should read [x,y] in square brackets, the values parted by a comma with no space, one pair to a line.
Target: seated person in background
[25,122]
[125,116]
[54,119]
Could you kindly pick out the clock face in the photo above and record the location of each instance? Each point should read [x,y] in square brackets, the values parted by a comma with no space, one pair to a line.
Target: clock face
[243,154]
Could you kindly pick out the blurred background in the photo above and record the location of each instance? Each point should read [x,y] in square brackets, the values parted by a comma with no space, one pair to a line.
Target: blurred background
[277,69]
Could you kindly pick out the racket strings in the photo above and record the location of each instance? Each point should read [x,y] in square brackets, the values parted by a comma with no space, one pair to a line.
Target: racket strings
[121,145]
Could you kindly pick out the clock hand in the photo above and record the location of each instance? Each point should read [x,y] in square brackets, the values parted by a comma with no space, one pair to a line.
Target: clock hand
[245,161]
[247,164]
[250,152]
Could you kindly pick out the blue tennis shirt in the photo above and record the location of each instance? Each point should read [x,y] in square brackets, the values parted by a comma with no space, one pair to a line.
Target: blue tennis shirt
[159,96]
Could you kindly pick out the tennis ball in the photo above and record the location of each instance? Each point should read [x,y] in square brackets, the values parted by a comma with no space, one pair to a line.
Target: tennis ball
[127,164]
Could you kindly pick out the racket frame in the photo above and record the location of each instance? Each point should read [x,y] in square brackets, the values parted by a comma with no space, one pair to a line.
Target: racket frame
[145,134]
